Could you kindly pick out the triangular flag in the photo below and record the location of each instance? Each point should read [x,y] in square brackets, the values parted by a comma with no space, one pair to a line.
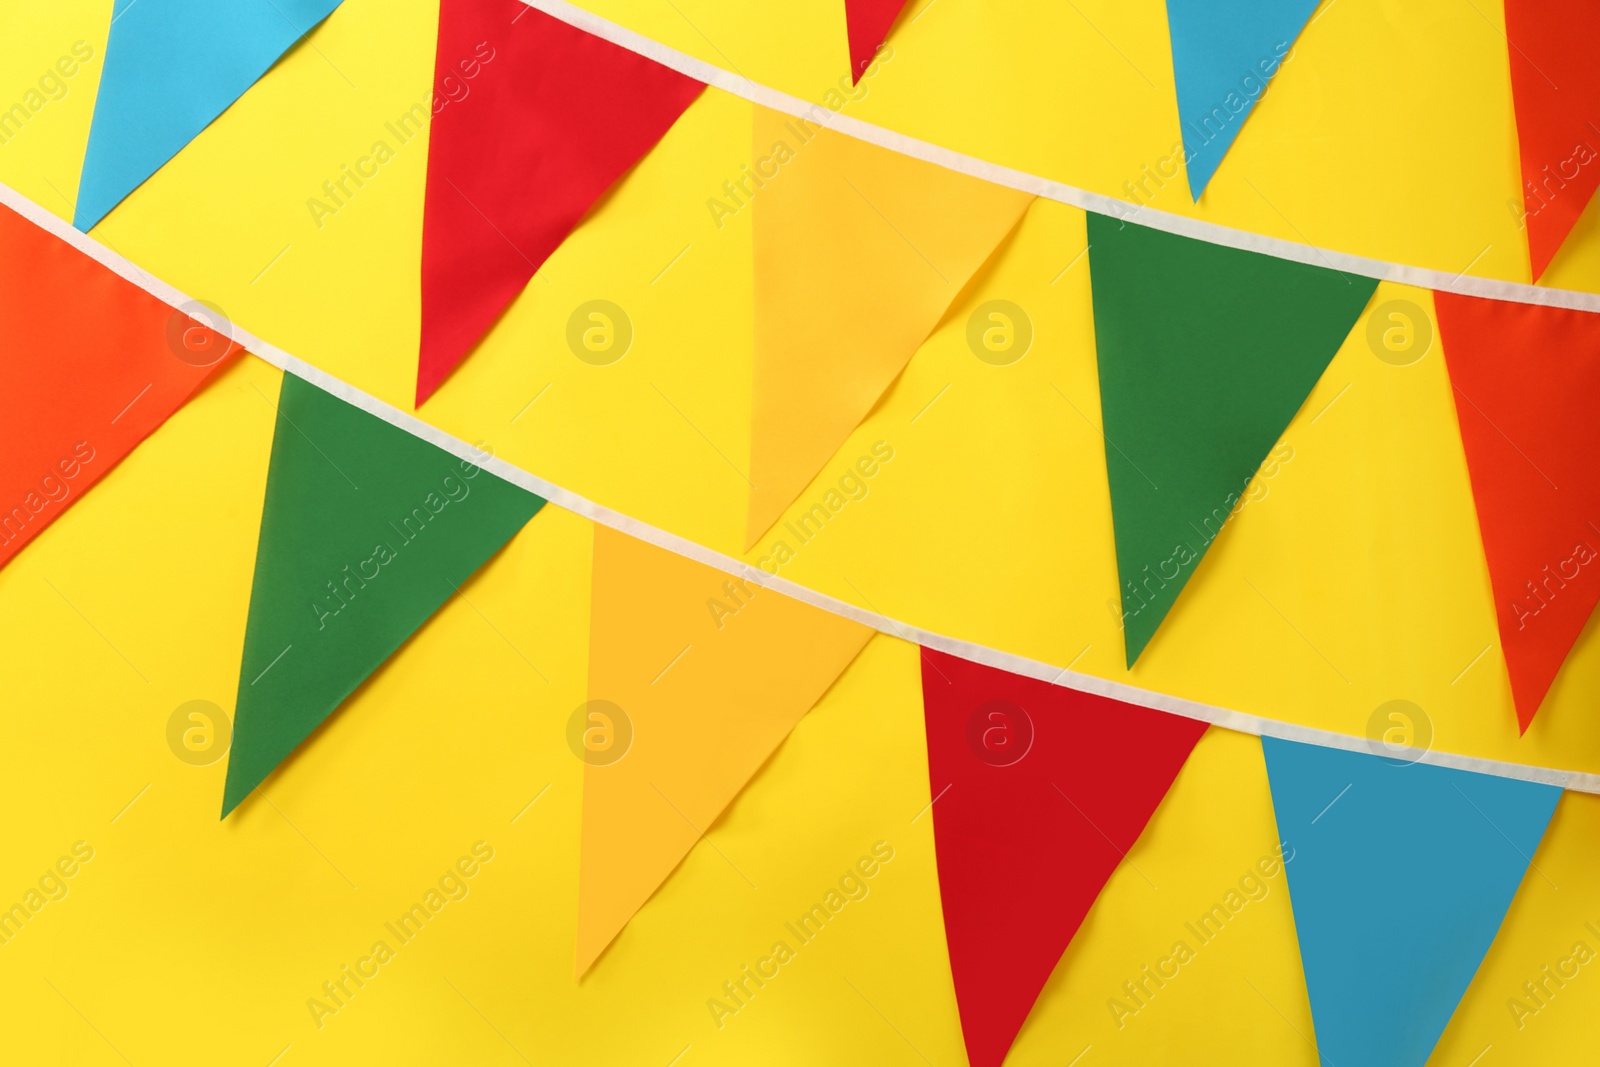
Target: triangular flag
[1400,875]
[695,679]
[1038,794]
[92,365]
[173,66]
[366,531]
[1224,52]
[1555,89]
[1526,381]
[1206,352]
[868,23]
[552,118]
[859,251]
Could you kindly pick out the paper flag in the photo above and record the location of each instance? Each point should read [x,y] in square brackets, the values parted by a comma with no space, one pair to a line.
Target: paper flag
[1205,354]
[858,253]
[1526,381]
[1038,794]
[1555,89]
[92,365]
[173,66]
[1224,53]
[868,23]
[1400,875]
[551,119]
[695,679]
[366,531]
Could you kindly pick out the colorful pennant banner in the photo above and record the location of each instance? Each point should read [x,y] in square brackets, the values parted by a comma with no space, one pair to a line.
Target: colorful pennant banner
[695,678]
[365,532]
[1224,54]
[1555,89]
[555,117]
[173,66]
[91,365]
[1205,353]
[840,309]
[1402,874]
[1531,453]
[1046,790]
[868,23]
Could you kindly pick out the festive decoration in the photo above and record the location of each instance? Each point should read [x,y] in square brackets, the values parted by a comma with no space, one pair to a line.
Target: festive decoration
[695,679]
[858,253]
[1205,353]
[173,66]
[366,531]
[1224,54]
[1531,451]
[1042,791]
[868,23]
[92,365]
[1555,88]
[1401,875]
[554,118]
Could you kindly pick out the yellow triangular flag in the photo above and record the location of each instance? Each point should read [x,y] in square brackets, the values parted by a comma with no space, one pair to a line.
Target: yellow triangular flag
[695,678]
[858,253]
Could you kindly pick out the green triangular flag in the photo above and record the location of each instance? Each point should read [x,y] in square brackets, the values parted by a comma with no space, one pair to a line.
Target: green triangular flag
[366,531]
[1205,353]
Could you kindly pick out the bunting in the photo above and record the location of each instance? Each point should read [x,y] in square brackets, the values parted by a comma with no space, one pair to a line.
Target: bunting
[1037,792]
[1555,89]
[1402,874]
[695,679]
[1042,790]
[1530,446]
[1224,54]
[868,23]
[858,253]
[1205,353]
[554,117]
[173,66]
[74,402]
[365,532]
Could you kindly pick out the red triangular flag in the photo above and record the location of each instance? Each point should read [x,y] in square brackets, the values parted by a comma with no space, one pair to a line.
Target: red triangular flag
[1527,387]
[1555,88]
[90,365]
[534,121]
[868,23]
[1039,792]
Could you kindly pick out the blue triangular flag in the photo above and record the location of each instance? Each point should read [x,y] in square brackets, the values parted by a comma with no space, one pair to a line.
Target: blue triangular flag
[1401,874]
[1224,52]
[172,66]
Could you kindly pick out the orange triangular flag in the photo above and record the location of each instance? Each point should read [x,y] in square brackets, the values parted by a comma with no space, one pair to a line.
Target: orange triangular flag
[858,253]
[90,365]
[695,678]
[1555,90]
[1526,381]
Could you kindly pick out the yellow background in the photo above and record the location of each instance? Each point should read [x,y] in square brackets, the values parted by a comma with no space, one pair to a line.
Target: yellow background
[1358,579]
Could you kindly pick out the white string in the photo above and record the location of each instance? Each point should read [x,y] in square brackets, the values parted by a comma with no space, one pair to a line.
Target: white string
[566,498]
[1210,232]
